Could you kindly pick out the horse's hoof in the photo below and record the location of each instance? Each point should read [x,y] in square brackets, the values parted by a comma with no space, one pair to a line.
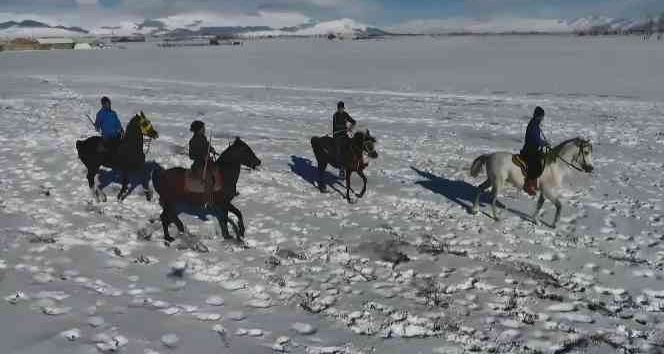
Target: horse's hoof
[148,196]
[474,211]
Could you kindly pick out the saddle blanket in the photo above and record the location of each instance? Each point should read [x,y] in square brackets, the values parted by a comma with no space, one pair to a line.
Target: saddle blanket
[195,184]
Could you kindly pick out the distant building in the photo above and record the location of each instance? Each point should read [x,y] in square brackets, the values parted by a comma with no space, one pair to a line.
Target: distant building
[56,43]
[22,44]
[82,46]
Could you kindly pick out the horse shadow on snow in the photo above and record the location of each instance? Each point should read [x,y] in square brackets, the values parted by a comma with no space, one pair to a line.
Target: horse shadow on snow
[306,169]
[108,176]
[460,192]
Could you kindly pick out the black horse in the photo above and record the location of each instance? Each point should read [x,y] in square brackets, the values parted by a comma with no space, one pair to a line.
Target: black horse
[128,157]
[352,158]
[175,186]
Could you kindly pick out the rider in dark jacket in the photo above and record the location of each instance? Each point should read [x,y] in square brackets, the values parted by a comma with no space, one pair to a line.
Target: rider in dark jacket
[340,121]
[533,151]
[199,147]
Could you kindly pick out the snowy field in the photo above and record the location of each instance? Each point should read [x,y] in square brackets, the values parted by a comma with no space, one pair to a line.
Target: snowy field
[404,270]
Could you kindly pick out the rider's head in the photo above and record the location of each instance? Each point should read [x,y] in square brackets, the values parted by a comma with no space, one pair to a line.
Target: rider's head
[197,127]
[106,102]
[539,113]
[341,106]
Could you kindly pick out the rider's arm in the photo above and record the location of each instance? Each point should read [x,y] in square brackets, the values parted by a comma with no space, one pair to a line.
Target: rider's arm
[350,119]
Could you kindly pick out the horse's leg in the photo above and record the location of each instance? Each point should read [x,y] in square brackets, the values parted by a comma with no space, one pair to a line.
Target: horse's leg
[124,190]
[91,183]
[538,208]
[165,222]
[321,172]
[240,219]
[494,199]
[481,188]
[222,216]
[364,185]
[559,207]
[146,185]
[348,173]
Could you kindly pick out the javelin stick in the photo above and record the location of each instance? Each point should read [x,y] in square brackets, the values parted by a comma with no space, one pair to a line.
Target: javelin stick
[90,120]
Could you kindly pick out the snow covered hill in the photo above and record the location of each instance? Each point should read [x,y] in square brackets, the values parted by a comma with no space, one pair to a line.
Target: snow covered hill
[31,28]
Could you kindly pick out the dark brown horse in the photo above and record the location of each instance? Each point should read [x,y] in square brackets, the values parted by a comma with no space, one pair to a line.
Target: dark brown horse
[127,158]
[352,156]
[174,188]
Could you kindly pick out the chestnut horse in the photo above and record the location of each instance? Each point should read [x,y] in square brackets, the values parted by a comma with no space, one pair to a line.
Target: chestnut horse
[172,187]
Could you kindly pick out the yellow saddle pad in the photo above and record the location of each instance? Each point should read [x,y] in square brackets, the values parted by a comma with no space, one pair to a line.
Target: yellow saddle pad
[520,161]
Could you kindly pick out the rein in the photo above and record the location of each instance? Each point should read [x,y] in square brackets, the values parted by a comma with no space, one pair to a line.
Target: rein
[576,158]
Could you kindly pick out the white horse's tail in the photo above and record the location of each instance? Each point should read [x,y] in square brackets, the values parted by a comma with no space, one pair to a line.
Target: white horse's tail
[478,163]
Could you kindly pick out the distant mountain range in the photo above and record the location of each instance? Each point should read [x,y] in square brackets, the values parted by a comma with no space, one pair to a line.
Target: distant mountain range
[592,24]
[188,26]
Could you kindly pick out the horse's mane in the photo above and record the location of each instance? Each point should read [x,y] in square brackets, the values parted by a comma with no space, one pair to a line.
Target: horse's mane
[556,150]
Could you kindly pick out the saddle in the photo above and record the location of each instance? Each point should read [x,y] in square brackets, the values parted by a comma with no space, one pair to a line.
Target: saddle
[520,162]
[195,184]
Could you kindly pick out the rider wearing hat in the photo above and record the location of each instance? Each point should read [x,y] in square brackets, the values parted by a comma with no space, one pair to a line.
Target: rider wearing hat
[340,122]
[533,151]
[199,147]
[108,124]
[199,152]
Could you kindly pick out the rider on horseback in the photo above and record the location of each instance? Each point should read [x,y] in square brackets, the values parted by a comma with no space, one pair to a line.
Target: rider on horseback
[340,129]
[108,124]
[199,152]
[533,151]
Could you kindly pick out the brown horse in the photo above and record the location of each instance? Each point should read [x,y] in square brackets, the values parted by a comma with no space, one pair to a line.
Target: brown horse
[352,158]
[174,188]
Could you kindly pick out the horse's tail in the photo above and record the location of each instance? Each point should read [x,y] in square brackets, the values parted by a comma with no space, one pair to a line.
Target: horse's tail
[478,164]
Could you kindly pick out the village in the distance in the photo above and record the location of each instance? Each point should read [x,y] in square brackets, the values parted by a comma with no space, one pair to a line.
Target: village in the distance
[29,34]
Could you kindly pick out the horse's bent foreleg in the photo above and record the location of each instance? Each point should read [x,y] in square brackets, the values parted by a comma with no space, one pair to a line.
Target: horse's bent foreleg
[124,190]
[364,185]
[538,208]
[480,189]
[240,219]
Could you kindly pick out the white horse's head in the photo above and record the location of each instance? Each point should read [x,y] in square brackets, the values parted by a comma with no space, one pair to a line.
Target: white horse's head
[577,152]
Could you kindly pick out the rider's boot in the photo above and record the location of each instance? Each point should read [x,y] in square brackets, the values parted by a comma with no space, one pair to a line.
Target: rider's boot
[530,186]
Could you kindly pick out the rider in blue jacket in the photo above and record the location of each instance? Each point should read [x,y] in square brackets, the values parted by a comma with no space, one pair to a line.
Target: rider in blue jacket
[533,151]
[108,124]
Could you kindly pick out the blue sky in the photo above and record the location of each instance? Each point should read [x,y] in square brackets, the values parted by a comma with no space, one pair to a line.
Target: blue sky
[378,12]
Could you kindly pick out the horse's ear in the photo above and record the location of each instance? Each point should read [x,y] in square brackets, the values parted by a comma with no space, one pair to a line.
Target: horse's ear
[142,114]
[237,139]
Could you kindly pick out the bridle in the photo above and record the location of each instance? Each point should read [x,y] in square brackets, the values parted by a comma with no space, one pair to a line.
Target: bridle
[579,155]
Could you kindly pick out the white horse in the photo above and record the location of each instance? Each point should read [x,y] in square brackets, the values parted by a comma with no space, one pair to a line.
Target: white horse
[571,154]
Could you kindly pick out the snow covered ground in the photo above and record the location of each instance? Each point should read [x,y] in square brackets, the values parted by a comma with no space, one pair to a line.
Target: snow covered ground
[404,270]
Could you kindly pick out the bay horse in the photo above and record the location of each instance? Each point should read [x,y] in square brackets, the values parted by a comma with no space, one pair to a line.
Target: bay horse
[173,188]
[353,158]
[572,154]
[128,157]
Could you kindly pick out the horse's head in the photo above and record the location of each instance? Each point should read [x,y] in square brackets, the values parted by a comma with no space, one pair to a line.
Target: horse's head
[367,142]
[239,152]
[585,155]
[577,153]
[144,125]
